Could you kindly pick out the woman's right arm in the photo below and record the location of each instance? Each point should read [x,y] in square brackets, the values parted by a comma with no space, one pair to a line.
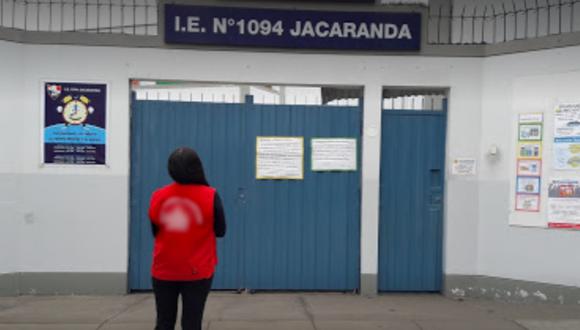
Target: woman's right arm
[154,213]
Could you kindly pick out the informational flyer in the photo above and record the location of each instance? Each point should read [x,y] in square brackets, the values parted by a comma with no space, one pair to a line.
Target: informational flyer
[75,116]
[531,118]
[567,137]
[564,203]
[529,167]
[334,154]
[464,166]
[279,158]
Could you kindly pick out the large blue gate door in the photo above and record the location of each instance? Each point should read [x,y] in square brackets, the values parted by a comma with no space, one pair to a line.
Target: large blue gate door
[411,211]
[282,234]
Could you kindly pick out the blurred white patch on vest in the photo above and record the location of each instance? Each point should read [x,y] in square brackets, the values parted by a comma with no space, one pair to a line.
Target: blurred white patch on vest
[178,213]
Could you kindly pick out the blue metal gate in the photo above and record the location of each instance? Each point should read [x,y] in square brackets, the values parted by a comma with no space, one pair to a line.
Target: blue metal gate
[411,211]
[282,235]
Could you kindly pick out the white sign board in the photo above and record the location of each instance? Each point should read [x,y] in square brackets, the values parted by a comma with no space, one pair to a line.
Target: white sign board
[463,166]
[279,158]
[334,154]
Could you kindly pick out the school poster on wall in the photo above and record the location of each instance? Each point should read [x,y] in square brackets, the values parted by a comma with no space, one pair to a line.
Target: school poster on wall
[75,116]
[564,204]
[567,137]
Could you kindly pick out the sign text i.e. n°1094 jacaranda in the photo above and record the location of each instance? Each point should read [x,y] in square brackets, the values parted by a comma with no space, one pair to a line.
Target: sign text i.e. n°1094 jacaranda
[302,29]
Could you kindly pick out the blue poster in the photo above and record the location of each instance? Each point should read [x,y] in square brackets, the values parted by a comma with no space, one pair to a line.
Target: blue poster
[300,29]
[75,123]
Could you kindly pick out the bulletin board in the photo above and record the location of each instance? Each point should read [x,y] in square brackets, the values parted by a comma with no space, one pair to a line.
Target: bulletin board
[545,182]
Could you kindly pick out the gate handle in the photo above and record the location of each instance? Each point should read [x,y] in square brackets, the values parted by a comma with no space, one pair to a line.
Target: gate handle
[242,194]
[436,187]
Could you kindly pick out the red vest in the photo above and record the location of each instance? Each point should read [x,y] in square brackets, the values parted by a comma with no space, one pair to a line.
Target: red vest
[185,245]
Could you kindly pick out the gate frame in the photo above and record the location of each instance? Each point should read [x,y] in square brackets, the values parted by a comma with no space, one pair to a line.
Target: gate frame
[366,285]
[445,91]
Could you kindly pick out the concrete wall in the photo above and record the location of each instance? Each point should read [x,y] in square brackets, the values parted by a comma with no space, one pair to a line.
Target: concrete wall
[10,64]
[73,219]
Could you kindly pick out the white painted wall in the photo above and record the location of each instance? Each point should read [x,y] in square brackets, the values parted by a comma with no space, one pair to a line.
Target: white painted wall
[513,84]
[10,83]
[78,217]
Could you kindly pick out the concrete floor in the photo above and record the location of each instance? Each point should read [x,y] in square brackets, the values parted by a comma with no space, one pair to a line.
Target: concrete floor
[288,312]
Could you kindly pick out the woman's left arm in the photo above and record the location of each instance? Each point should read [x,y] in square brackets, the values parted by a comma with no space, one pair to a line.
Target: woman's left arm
[219,224]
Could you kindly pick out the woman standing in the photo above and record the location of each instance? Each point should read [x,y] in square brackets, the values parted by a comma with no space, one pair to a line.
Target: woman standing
[186,217]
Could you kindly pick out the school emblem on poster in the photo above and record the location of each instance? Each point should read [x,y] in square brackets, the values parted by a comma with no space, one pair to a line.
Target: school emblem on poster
[53,91]
[75,110]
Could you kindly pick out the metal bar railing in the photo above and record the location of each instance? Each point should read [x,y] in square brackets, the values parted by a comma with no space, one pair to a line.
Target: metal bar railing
[517,19]
[136,16]
[480,23]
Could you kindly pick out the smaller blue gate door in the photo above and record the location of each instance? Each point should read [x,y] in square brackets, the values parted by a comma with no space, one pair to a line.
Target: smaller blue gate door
[411,209]
[282,234]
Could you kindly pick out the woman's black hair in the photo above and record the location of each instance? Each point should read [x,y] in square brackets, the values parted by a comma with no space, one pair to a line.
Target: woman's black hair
[185,167]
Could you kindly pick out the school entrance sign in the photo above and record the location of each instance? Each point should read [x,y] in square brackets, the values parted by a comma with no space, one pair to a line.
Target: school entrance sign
[298,29]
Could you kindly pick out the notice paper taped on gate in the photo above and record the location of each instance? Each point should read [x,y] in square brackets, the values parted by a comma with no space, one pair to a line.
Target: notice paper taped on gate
[279,158]
[334,154]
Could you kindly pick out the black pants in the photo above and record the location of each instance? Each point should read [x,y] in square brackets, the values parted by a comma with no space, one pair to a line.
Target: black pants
[193,297]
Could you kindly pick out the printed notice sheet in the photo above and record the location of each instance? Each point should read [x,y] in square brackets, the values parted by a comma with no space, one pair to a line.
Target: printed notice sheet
[279,157]
[334,154]
[463,166]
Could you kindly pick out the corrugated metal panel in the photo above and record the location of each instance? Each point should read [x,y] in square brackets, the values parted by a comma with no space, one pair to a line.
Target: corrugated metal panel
[282,235]
[411,212]
[216,132]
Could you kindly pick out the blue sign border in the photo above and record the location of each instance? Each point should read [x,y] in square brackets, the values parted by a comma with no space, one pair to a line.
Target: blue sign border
[292,29]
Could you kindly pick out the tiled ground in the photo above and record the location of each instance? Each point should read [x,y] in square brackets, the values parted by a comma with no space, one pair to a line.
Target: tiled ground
[288,312]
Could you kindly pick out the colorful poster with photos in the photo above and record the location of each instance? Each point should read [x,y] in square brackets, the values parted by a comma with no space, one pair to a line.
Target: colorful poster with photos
[528,203]
[530,150]
[530,132]
[528,185]
[529,167]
